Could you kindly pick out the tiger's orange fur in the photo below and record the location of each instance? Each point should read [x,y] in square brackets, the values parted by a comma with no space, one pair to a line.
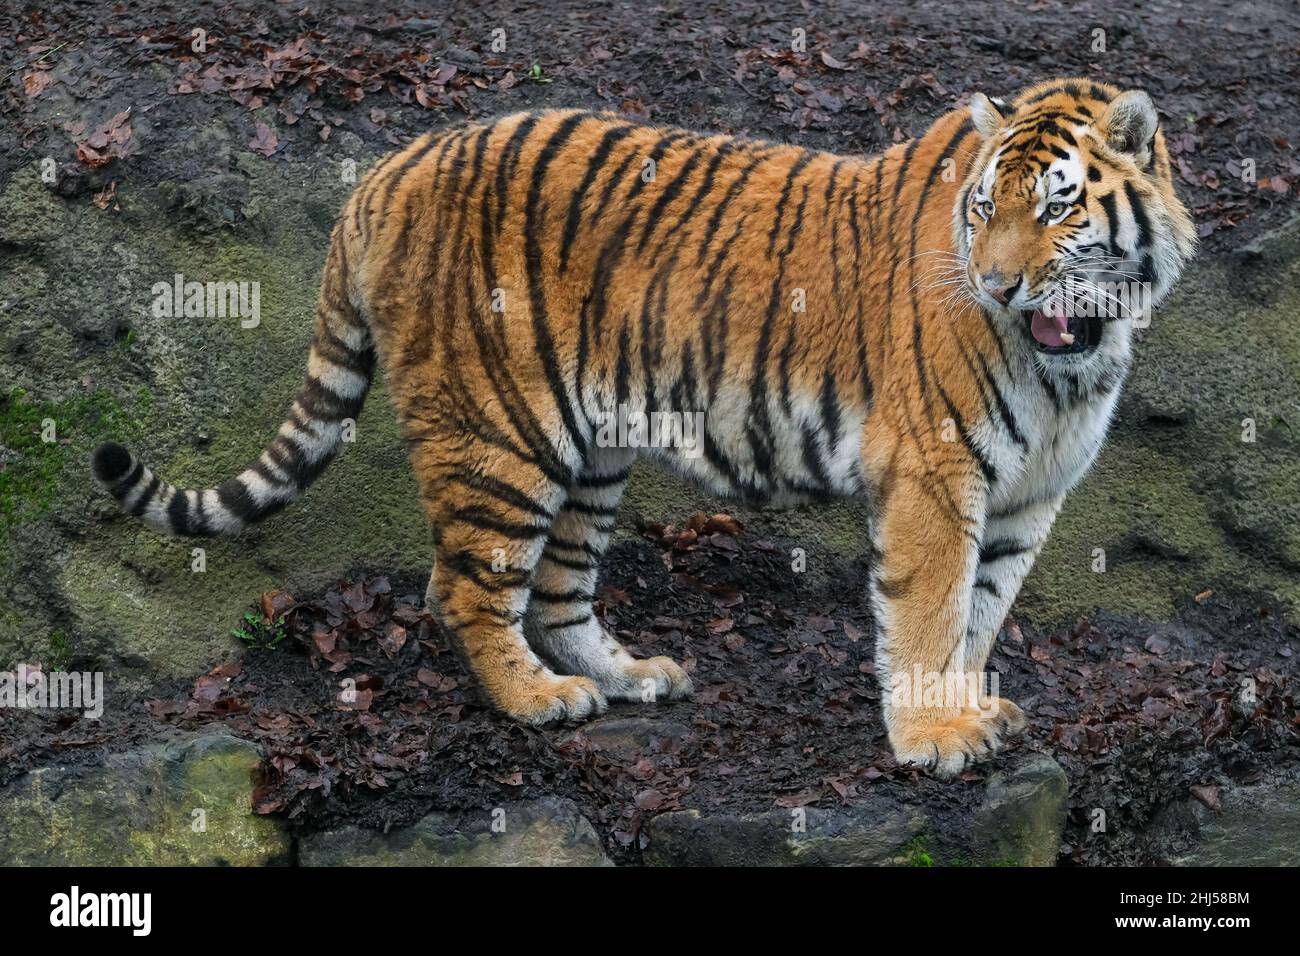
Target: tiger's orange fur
[521,277]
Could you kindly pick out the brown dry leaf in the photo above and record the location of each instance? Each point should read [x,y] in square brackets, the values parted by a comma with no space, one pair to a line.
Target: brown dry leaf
[1208,795]
[105,196]
[265,141]
[36,82]
[723,524]
[275,604]
[792,801]
[106,142]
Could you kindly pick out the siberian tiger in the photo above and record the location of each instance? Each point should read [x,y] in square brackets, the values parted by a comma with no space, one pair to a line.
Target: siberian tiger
[905,328]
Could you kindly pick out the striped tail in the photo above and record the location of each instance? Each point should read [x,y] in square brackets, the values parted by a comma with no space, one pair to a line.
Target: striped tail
[339,369]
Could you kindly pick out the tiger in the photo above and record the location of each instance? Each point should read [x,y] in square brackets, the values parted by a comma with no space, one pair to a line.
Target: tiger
[847,327]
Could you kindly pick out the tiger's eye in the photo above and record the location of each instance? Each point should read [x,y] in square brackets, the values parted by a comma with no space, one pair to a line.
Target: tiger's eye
[985,208]
[1056,209]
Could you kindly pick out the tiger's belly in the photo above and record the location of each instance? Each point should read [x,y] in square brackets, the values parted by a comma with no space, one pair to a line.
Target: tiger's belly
[791,451]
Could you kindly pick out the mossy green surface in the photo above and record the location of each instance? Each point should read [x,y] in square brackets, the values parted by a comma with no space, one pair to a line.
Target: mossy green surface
[196,398]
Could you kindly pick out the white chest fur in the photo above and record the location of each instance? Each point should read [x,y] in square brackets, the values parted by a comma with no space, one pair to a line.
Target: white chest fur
[1061,440]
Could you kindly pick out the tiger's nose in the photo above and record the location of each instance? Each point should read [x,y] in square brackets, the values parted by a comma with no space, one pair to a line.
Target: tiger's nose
[998,287]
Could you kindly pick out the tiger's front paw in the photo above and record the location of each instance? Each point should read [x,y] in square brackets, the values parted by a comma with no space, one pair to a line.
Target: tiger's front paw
[946,742]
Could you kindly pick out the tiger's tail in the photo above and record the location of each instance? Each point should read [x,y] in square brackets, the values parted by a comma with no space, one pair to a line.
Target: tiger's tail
[339,369]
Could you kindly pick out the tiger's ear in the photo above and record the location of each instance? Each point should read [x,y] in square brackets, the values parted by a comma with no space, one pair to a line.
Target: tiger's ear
[985,115]
[1129,124]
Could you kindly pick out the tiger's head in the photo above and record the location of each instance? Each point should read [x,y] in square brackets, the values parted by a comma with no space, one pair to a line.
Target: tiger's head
[1068,221]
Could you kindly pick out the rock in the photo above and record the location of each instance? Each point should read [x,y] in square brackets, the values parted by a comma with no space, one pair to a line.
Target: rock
[874,833]
[633,736]
[546,832]
[139,809]
[1257,826]
[1023,815]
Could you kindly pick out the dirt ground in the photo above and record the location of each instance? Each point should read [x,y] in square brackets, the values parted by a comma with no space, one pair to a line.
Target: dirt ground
[786,711]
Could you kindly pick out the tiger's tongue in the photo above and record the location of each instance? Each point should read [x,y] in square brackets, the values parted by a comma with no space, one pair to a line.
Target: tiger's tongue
[1047,329]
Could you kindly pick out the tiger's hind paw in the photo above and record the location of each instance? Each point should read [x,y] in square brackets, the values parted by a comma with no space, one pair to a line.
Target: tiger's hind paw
[647,681]
[551,699]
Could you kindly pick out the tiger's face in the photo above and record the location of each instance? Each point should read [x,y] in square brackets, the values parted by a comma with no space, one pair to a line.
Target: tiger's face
[1068,221]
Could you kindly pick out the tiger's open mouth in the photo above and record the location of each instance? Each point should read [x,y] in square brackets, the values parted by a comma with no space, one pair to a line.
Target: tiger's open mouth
[1056,334]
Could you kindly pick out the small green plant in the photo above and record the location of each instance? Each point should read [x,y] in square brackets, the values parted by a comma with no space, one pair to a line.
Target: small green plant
[258,633]
[60,651]
[535,74]
[915,853]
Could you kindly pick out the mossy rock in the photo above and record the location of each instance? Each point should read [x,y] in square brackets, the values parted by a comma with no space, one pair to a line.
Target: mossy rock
[546,832]
[185,803]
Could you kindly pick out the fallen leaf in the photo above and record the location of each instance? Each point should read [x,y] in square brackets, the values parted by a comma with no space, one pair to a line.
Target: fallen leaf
[265,141]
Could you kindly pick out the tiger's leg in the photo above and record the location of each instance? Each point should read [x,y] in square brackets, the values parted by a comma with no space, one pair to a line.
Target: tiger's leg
[560,624]
[1011,542]
[926,539]
[489,533]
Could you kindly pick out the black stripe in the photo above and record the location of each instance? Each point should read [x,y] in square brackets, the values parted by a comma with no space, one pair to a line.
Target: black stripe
[512,147]
[140,506]
[1001,548]
[569,622]
[572,596]
[120,488]
[502,491]
[603,481]
[570,563]
[322,403]
[236,497]
[583,547]
[666,196]
[468,565]
[1004,410]
[594,166]
[696,203]
[583,508]
[795,169]
[178,512]
[732,191]
[830,411]
[477,516]
[985,465]
[1139,214]
[537,296]
[1112,216]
